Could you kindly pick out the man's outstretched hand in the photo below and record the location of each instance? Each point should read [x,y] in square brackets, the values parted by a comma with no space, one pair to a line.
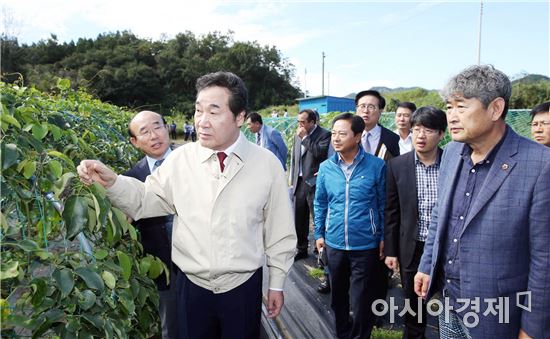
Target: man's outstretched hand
[91,171]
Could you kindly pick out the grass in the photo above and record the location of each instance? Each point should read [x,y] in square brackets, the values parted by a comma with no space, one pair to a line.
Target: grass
[315,272]
[382,333]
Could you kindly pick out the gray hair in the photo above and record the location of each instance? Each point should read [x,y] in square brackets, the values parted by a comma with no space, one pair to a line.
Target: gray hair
[482,82]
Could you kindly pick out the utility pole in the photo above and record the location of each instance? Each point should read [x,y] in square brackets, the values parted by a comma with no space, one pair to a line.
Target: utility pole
[328,83]
[479,35]
[305,87]
[323,75]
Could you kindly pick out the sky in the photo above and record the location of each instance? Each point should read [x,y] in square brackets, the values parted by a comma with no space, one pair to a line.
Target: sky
[366,43]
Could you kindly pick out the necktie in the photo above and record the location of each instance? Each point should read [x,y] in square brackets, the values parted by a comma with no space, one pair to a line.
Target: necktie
[221,158]
[259,140]
[157,164]
[367,144]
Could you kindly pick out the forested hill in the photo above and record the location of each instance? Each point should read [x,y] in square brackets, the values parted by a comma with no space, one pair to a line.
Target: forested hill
[528,91]
[123,69]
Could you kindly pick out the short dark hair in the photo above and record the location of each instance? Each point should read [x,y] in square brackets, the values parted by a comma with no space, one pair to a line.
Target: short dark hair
[255,117]
[238,100]
[357,123]
[406,104]
[430,117]
[311,114]
[381,100]
[541,108]
[482,82]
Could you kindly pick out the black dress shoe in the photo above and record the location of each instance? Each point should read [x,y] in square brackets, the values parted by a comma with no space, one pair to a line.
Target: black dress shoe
[300,255]
[324,287]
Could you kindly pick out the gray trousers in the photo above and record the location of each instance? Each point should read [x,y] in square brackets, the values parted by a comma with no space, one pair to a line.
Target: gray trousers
[168,310]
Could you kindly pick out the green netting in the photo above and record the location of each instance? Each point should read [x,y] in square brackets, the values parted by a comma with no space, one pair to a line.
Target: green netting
[518,119]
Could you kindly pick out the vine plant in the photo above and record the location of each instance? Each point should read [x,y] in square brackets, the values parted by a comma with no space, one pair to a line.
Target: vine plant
[72,266]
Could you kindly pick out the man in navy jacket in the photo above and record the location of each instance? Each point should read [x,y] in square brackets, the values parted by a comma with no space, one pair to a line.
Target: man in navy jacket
[488,241]
[149,134]
[267,137]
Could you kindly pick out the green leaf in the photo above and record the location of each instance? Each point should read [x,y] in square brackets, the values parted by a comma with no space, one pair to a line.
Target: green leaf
[114,229]
[156,269]
[92,219]
[98,190]
[64,280]
[61,184]
[55,315]
[29,169]
[121,219]
[9,155]
[91,278]
[56,168]
[73,324]
[109,279]
[127,301]
[9,269]
[144,264]
[44,325]
[39,288]
[39,131]
[63,84]
[28,245]
[125,263]
[62,156]
[95,320]
[75,215]
[101,254]
[8,119]
[132,232]
[56,132]
[86,299]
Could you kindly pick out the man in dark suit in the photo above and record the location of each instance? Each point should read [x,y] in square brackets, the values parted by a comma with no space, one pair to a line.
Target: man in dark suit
[376,139]
[267,137]
[149,133]
[384,144]
[488,238]
[411,192]
[310,149]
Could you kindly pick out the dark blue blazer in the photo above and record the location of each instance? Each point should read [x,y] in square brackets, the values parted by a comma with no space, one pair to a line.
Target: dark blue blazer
[153,234]
[273,141]
[504,247]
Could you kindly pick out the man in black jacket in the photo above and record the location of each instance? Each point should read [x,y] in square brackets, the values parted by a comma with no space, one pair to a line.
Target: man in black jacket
[149,133]
[310,149]
[411,192]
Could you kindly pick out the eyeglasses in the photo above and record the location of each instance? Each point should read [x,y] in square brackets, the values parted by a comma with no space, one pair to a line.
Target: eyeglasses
[427,131]
[543,124]
[369,107]
[147,133]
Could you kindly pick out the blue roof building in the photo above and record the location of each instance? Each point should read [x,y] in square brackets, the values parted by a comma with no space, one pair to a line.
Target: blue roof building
[325,104]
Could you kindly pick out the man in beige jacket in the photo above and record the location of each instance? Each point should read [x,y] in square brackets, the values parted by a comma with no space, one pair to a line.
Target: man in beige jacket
[231,207]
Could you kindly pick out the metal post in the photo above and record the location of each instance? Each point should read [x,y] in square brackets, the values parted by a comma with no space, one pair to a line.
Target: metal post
[323,75]
[479,35]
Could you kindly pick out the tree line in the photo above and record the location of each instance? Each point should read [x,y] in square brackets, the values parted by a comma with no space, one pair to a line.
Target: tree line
[125,70]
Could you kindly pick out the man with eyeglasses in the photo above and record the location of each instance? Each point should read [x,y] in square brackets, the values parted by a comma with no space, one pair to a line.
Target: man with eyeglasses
[384,144]
[376,139]
[540,123]
[411,193]
[149,133]
[490,227]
